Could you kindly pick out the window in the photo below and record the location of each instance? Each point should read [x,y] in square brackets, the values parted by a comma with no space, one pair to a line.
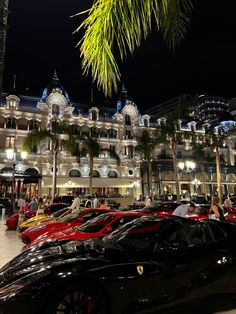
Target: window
[112,149]
[145,121]
[129,151]
[11,123]
[94,132]
[112,174]
[10,142]
[74,173]
[55,110]
[112,133]
[94,115]
[33,125]
[128,134]
[127,120]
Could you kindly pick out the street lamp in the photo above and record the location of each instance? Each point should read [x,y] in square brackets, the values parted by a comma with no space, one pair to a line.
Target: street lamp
[187,166]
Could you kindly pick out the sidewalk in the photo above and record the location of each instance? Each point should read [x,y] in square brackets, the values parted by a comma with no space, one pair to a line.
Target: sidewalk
[10,243]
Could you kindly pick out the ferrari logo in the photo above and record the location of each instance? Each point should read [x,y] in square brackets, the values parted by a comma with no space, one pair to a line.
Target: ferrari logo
[140,270]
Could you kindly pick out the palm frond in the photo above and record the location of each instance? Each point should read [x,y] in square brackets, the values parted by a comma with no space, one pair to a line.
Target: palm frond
[34,138]
[125,23]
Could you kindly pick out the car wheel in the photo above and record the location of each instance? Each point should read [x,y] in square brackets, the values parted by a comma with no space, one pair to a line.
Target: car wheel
[76,299]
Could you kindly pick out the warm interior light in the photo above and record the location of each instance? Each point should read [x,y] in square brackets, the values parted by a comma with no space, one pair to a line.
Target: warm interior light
[10,153]
[24,155]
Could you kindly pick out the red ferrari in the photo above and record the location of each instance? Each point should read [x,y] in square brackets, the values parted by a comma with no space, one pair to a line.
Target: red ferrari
[74,219]
[95,228]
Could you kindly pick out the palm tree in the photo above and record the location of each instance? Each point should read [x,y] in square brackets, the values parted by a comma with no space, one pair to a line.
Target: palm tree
[146,146]
[216,138]
[59,136]
[198,155]
[169,133]
[123,24]
[92,147]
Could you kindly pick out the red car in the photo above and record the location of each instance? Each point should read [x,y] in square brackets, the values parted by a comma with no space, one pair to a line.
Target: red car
[97,227]
[74,219]
[230,214]
[166,209]
[12,221]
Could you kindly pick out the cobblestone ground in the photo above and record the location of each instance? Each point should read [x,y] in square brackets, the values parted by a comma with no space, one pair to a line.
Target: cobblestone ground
[10,243]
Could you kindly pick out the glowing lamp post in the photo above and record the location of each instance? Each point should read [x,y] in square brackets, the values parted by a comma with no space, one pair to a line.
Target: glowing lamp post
[187,166]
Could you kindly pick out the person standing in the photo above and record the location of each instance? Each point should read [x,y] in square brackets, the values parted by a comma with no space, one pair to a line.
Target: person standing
[40,210]
[95,201]
[216,210]
[76,202]
[184,210]
[33,205]
[147,201]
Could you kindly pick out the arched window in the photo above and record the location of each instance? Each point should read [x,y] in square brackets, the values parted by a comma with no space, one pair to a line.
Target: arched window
[74,173]
[94,115]
[145,121]
[127,120]
[96,174]
[112,174]
[55,110]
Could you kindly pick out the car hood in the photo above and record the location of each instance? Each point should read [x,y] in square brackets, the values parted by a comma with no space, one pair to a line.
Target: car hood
[35,220]
[45,258]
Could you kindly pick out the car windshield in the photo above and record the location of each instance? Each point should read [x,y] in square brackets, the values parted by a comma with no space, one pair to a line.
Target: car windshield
[70,216]
[137,234]
[96,224]
[60,212]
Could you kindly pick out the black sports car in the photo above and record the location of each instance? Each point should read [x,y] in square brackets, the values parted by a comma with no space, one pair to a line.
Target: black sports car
[150,265]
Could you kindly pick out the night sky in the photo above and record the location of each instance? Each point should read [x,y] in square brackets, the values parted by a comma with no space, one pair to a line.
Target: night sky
[40,40]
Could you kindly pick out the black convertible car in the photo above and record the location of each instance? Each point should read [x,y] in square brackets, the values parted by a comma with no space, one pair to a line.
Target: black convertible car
[150,265]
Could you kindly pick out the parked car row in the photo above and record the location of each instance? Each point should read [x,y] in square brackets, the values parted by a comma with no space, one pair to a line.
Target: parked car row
[167,265]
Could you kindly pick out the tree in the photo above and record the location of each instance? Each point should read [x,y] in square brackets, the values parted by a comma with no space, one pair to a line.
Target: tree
[146,146]
[198,154]
[121,25]
[215,138]
[92,147]
[168,133]
[60,136]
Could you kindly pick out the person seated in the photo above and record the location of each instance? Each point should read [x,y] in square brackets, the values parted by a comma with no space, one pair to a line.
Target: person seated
[103,204]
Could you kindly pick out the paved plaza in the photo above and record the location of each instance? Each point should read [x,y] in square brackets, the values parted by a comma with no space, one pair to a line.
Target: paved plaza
[10,243]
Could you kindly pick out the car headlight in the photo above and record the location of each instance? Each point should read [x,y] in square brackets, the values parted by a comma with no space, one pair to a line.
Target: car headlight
[9,291]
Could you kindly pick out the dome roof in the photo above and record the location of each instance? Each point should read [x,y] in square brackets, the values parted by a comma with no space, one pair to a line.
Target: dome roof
[54,85]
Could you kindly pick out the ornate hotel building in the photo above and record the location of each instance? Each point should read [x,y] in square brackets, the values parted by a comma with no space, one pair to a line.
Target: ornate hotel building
[117,129]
